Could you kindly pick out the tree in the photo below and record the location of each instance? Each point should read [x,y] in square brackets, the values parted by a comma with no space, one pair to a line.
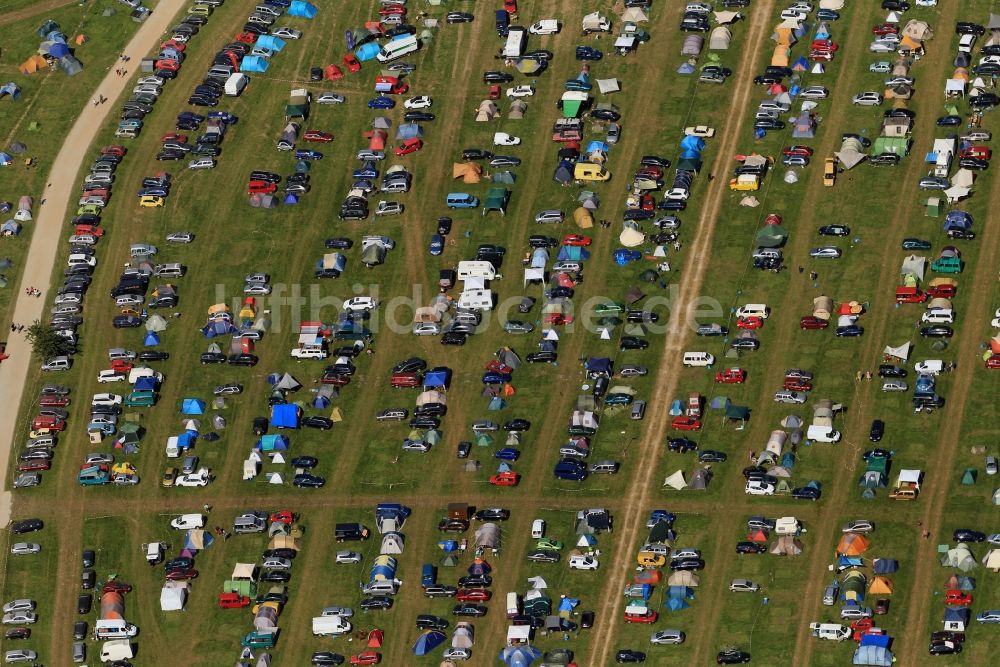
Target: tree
[45,342]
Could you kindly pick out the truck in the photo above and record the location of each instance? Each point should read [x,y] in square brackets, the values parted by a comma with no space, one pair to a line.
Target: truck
[517,40]
[594,22]
[830,631]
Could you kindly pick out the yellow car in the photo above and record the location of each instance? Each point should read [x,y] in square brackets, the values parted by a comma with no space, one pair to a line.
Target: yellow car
[829,172]
[169,475]
[204,10]
[89,209]
[650,559]
[148,201]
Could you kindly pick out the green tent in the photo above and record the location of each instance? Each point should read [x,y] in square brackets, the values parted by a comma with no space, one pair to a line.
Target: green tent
[969,477]
[496,200]
[896,145]
[772,236]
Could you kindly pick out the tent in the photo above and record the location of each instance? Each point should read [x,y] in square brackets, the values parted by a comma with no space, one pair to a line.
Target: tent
[254,64]
[192,406]
[880,586]
[302,9]
[884,565]
[992,560]
[487,111]
[683,578]
[787,545]
[608,86]
[285,415]
[270,42]
[488,536]
[469,172]
[676,481]
[12,89]
[852,544]
[428,641]
[969,477]
[392,543]
[70,65]
[956,619]
[172,599]
[720,38]
[873,655]
[519,656]
[198,540]
[959,557]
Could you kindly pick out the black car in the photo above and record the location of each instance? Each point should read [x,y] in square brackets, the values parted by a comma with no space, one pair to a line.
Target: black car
[418,116]
[453,338]
[632,343]
[541,241]
[896,5]
[431,409]
[890,371]
[834,230]
[444,225]
[610,115]
[80,630]
[213,358]
[545,357]
[745,344]
[492,514]
[315,421]
[469,609]
[339,243]
[315,73]
[152,355]
[517,425]
[947,636]
[429,622]
[877,430]
[969,28]
[884,159]
[641,316]
[629,656]
[750,548]
[27,526]
[476,154]
[17,633]
[588,53]
[464,449]
[84,603]
[945,648]
[411,365]
[497,77]
[425,421]
[961,234]
[307,481]
[305,462]
[290,554]
[687,564]
[88,558]
[732,656]
[654,161]
[276,576]
[949,121]
[806,493]
[459,17]
[242,359]
[682,445]
[475,581]
[851,331]
[586,620]
[968,535]
[937,331]
[711,456]
[126,322]
[376,602]
[88,579]
[179,563]
[259,425]
[326,658]
[769,124]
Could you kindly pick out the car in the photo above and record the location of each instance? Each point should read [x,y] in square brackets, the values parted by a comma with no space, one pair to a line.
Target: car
[430,622]
[750,548]
[667,637]
[632,343]
[24,548]
[806,493]
[949,121]
[229,389]
[84,603]
[348,557]
[326,658]
[20,618]
[494,76]
[316,421]
[851,331]
[543,556]
[968,535]
[937,331]
[588,53]
[834,230]
[469,609]
[944,648]
[420,102]
[381,102]
[711,456]
[459,17]
[825,252]
[629,656]
[743,586]
[990,616]
[20,655]
[26,526]
[732,656]
[308,481]
[492,514]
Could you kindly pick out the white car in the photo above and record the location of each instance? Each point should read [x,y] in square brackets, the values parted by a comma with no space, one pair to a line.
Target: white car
[150,81]
[504,139]
[421,102]
[814,93]
[277,563]
[179,237]
[794,14]
[78,259]
[743,586]
[520,91]
[257,289]
[360,304]
[199,478]
[891,386]
[890,38]
[20,618]
[330,98]
[202,163]
[82,239]
[759,489]
[790,397]
[669,636]
[993,539]
[858,526]
[880,46]
[583,562]
[544,27]
[187,522]
[25,548]
[700,131]
[106,399]
[426,329]
[20,655]
[348,557]
[867,99]
[991,465]
[825,252]
[110,376]
[19,605]
[416,446]
[287,33]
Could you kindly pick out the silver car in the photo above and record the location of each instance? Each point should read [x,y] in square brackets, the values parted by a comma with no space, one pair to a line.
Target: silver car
[19,655]
[894,386]
[426,329]
[743,586]
[25,548]
[669,636]
[791,397]
[549,216]
[19,605]
[20,618]
[826,252]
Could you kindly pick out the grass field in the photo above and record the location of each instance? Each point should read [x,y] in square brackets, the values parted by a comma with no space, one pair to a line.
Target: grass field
[361,459]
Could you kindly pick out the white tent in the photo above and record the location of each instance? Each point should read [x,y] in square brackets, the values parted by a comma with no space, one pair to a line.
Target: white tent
[992,560]
[720,38]
[172,599]
[901,352]
[676,481]
[538,582]
[635,15]
[790,177]
[725,18]
[608,86]
[277,457]
[818,68]
[275,478]
[392,543]
[631,237]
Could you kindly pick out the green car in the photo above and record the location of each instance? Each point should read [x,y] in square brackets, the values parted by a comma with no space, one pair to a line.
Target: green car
[142,399]
[618,399]
[255,640]
[548,544]
[916,244]
[609,308]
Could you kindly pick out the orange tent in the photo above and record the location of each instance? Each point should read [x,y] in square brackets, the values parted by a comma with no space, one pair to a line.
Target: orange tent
[81,39]
[880,586]
[852,544]
[33,64]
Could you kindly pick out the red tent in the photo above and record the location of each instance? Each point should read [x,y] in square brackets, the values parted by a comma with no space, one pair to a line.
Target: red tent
[375,638]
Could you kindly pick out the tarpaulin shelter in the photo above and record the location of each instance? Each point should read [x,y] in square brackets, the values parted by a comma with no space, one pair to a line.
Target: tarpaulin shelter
[608,86]
[676,481]
[302,9]
[285,415]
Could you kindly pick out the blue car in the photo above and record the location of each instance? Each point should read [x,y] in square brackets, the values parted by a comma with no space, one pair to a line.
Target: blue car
[496,378]
[190,115]
[437,245]
[577,85]
[154,192]
[508,454]
[366,172]
[827,15]
[225,116]
[588,53]
[574,471]
[303,154]
[381,102]
[657,516]
[850,331]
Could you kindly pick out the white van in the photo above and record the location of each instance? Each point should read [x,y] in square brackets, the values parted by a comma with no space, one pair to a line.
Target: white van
[235,84]
[116,649]
[173,449]
[484,270]
[398,47]
[583,562]
[538,529]
[831,631]
[698,359]
[115,628]
[753,310]
[308,353]
[330,626]
[823,434]
[938,316]
[786,525]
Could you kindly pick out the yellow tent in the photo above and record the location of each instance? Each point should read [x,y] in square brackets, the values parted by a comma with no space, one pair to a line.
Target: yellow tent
[469,172]
[217,309]
[880,586]
[336,415]
[583,218]
[33,64]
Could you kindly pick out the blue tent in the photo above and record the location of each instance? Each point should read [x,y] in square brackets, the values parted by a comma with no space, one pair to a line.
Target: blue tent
[884,565]
[676,604]
[254,64]
[291,199]
[302,9]
[428,641]
[568,604]
[694,145]
[367,51]
[186,440]
[270,42]
[439,377]
[682,592]
[573,253]
[198,540]
[623,256]
[152,339]
[448,546]
[520,656]
[321,401]
[10,88]
[873,655]
[686,68]
[480,567]
[285,415]
[588,540]
[192,406]
[597,146]
[788,460]
[147,383]
[272,442]
[876,640]
[496,403]
[218,328]
[600,365]
[55,49]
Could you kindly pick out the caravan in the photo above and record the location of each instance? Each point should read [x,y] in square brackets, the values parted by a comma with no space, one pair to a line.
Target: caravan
[483,270]
[517,40]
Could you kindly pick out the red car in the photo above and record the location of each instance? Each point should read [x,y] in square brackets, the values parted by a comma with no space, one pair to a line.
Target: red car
[683,423]
[474,595]
[93,230]
[797,384]
[649,172]
[648,617]
[366,658]
[121,365]
[884,29]
[47,422]
[50,401]
[993,361]
[233,601]
[909,295]
[334,73]
[510,6]
[316,135]
[953,597]
[404,380]
[263,187]
[976,152]
[353,64]
[117,587]
[284,516]
[34,466]
[576,240]
[750,322]
[731,376]
[647,203]
[824,45]
[114,150]
[173,44]
[337,379]
[498,366]
[173,136]
[411,145]
[810,322]
[182,575]
[821,55]
[505,479]
[246,37]
[797,150]
[557,319]
[392,10]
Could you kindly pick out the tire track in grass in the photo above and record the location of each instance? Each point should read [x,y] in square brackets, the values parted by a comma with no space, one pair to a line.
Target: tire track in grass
[695,266]
[905,216]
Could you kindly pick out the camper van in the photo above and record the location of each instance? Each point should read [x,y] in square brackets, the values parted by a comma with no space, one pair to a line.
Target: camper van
[753,310]
[115,628]
[823,434]
[513,605]
[398,47]
[116,649]
[590,171]
[517,40]
[484,270]
[461,200]
[831,631]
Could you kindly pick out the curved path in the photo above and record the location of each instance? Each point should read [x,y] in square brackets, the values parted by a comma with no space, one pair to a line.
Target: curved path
[58,197]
